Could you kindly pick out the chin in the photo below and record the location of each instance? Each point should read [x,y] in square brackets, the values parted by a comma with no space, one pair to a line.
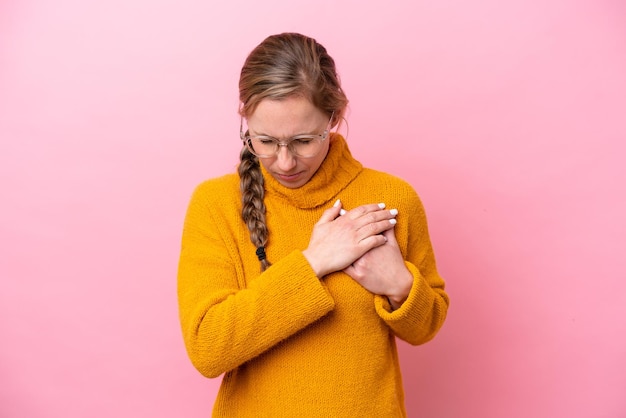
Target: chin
[292,185]
[296,183]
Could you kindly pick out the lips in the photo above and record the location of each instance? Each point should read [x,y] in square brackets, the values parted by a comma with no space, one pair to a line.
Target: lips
[289,177]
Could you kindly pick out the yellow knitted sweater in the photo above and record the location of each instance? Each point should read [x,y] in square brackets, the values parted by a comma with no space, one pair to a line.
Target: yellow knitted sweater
[292,344]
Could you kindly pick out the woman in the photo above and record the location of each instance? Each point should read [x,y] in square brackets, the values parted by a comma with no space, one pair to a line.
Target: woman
[297,274]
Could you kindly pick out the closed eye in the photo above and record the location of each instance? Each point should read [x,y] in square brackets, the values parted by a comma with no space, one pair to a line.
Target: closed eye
[305,139]
[266,140]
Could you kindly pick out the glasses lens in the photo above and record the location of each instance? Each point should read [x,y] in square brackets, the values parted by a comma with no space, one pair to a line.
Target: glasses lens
[306,146]
[262,147]
[302,146]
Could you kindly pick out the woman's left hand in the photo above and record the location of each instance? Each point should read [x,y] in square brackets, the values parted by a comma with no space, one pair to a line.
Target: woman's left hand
[382,271]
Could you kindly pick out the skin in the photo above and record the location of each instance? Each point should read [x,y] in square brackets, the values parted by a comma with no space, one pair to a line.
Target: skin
[361,241]
[283,119]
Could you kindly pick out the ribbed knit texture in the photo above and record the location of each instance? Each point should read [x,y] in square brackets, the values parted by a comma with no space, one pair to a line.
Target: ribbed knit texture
[292,344]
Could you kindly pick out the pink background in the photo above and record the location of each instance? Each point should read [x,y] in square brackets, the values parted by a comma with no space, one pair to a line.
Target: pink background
[507,117]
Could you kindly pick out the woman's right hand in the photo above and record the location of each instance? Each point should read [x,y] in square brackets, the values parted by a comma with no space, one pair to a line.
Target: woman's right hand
[337,241]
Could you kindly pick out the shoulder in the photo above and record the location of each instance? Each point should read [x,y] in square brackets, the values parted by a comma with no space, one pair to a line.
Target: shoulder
[226,182]
[217,191]
[391,189]
[386,181]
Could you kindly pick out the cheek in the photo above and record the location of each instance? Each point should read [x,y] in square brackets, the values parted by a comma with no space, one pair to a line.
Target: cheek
[267,162]
[318,160]
[314,165]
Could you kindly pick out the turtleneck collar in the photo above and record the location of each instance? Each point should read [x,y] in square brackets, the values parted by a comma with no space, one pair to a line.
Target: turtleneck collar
[336,172]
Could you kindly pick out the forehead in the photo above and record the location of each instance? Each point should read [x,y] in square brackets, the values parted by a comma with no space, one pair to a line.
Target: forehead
[285,117]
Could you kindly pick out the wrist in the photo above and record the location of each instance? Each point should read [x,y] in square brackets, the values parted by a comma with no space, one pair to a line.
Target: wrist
[315,265]
[395,302]
[401,294]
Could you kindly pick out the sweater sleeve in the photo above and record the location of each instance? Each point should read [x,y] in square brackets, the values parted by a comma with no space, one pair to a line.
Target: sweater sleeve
[424,311]
[223,324]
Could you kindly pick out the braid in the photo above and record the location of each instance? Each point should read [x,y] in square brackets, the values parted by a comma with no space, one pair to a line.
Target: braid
[253,207]
[283,65]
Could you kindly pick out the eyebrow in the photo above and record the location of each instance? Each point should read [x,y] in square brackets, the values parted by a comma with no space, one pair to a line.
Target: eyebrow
[273,137]
[326,129]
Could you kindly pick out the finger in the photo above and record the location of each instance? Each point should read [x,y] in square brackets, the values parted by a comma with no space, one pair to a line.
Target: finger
[372,242]
[390,234]
[374,228]
[331,213]
[365,210]
[363,216]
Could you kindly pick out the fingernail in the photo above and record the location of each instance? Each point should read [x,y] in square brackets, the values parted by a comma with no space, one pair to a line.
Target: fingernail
[393,212]
[342,212]
[337,203]
[392,221]
[381,205]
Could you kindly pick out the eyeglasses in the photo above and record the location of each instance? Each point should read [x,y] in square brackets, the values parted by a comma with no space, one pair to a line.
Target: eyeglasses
[304,146]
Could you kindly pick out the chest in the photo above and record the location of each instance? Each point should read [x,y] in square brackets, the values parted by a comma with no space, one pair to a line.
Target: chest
[290,228]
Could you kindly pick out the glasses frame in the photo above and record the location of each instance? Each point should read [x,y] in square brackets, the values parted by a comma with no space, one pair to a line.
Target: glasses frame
[247,140]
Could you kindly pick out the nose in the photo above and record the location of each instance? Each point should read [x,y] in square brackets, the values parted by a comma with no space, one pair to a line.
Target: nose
[285,160]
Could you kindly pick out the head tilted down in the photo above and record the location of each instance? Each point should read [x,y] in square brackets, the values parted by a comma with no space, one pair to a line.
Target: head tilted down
[283,67]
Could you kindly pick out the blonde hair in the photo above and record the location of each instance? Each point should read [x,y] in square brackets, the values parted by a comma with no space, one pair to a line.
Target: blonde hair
[283,65]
